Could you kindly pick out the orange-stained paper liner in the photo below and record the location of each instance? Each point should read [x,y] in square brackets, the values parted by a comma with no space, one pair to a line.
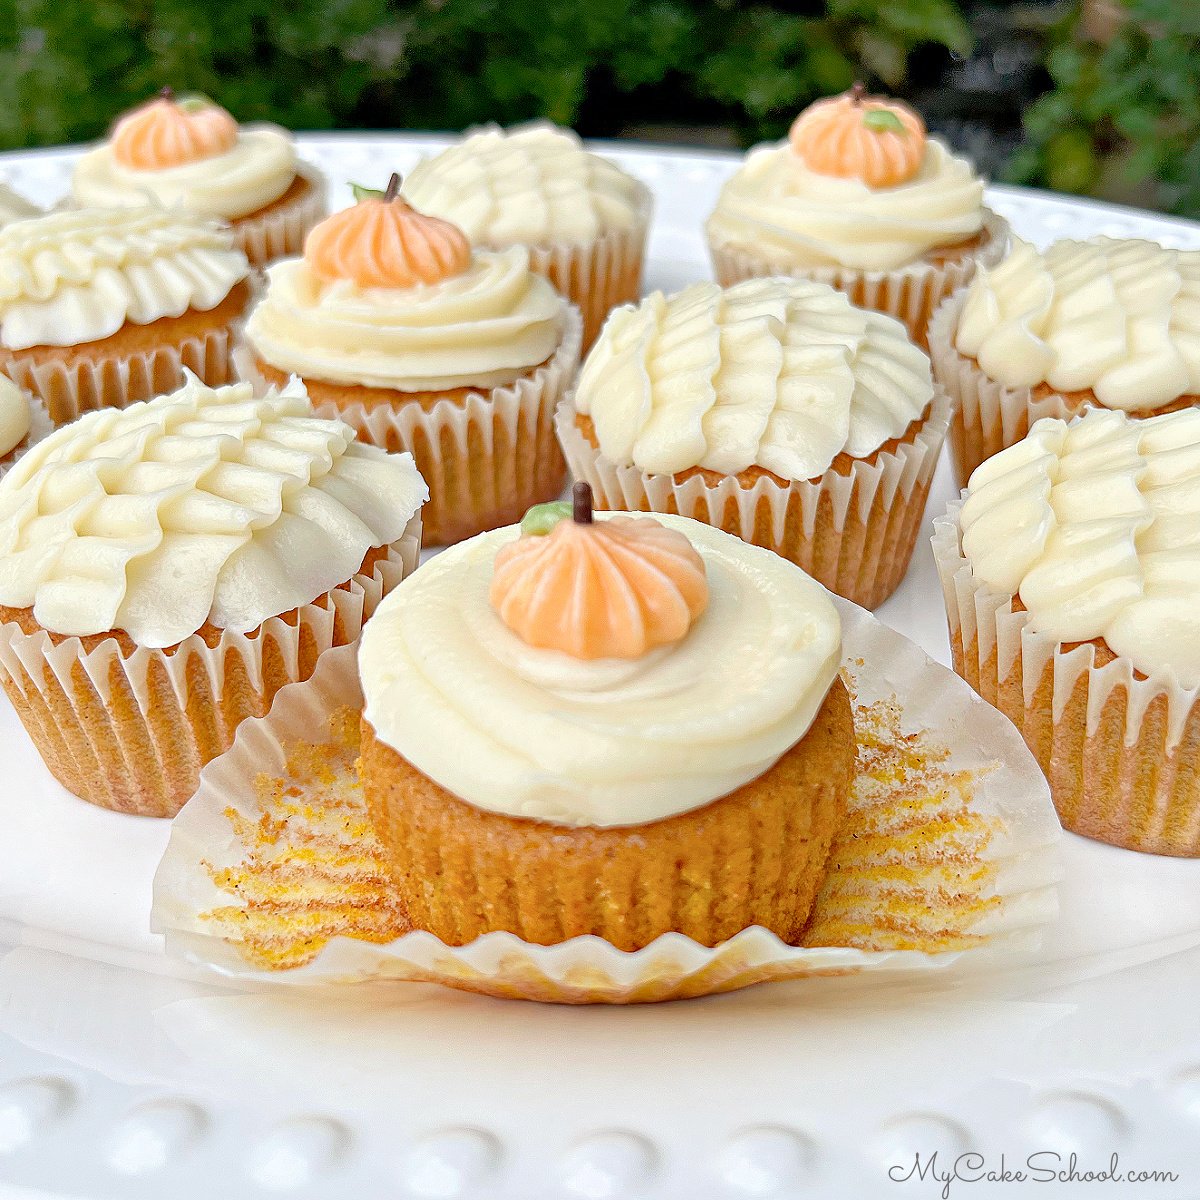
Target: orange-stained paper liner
[911,293]
[132,733]
[949,855]
[486,459]
[854,533]
[280,232]
[40,426]
[1120,751]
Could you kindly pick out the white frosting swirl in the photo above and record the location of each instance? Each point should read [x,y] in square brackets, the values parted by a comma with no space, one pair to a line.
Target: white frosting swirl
[782,373]
[1096,526]
[14,207]
[1119,317]
[483,328]
[207,505]
[779,208]
[255,172]
[536,733]
[530,185]
[78,276]
[15,417]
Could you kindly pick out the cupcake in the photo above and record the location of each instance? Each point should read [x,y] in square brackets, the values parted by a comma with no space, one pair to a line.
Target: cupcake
[582,219]
[858,197]
[23,423]
[774,410]
[189,152]
[1070,569]
[421,344]
[14,207]
[559,767]
[166,568]
[100,308]
[1108,323]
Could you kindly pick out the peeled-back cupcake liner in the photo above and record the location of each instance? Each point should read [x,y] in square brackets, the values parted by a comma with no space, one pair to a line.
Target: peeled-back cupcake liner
[855,533]
[911,293]
[40,426]
[948,858]
[280,232]
[486,459]
[131,733]
[1118,749]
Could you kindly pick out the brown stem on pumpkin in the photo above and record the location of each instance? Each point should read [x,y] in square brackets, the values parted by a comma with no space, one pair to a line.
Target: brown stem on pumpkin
[581,495]
[393,187]
[167,93]
[858,91]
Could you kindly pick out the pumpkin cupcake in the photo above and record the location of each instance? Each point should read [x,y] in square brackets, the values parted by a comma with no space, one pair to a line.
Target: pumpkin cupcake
[100,308]
[860,198]
[582,219]
[14,207]
[166,568]
[774,410]
[23,423]
[420,343]
[556,770]
[189,152]
[1070,569]
[1109,323]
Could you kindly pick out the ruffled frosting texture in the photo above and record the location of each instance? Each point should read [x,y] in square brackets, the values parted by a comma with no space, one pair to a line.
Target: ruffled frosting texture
[783,374]
[483,328]
[1119,317]
[204,506]
[78,276]
[254,172]
[530,185]
[537,733]
[785,211]
[15,417]
[1096,526]
[14,207]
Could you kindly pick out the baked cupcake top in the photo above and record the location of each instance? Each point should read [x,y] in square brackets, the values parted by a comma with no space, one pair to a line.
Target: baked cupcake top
[388,297]
[15,416]
[532,185]
[784,374]
[14,207]
[612,675]
[1095,525]
[77,276]
[1120,318]
[204,507]
[856,184]
[187,152]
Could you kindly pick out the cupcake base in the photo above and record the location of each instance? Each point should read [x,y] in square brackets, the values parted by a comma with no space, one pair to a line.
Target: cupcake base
[754,857]
[278,230]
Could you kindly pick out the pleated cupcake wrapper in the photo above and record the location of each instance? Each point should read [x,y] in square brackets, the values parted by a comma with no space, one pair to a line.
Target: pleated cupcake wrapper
[911,293]
[948,858]
[280,233]
[988,416]
[134,731]
[1120,752]
[854,533]
[40,426]
[487,459]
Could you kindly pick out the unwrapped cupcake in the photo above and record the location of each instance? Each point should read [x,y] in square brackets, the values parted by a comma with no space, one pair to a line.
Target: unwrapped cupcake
[24,421]
[102,307]
[774,410]
[560,768]
[582,219]
[858,197]
[1108,322]
[422,344]
[165,569]
[1071,569]
[188,152]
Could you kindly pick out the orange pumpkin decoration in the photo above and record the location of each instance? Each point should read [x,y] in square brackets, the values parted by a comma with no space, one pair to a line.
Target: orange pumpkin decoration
[606,589]
[383,242]
[171,133]
[855,136]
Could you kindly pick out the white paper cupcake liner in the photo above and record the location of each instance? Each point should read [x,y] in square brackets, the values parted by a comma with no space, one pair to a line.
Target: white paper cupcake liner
[854,533]
[132,732]
[40,426]
[280,233]
[1119,750]
[911,293]
[983,865]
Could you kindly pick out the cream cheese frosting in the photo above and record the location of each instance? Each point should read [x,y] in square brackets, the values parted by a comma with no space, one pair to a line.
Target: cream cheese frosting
[206,505]
[536,733]
[255,172]
[780,373]
[482,328]
[78,276]
[784,211]
[531,185]
[1119,317]
[14,207]
[15,417]
[1096,526]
